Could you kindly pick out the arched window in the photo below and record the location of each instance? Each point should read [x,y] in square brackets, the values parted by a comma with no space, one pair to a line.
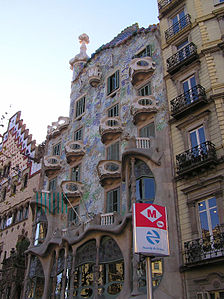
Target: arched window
[41,227]
[111,268]
[145,182]
[84,270]
[35,287]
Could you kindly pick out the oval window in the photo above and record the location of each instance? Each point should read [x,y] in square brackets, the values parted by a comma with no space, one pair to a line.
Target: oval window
[111,167]
[142,63]
[75,146]
[71,187]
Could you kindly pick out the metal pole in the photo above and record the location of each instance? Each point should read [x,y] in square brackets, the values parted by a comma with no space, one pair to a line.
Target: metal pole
[149,277]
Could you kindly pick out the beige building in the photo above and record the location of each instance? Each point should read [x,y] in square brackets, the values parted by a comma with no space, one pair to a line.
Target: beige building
[192,33]
[19,176]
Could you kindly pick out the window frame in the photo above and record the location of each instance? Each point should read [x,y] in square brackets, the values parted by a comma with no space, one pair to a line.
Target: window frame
[56,149]
[76,131]
[144,126]
[70,210]
[111,92]
[111,191]
[142,50]
[53,180]
[75,108]
[149,83]
[110,146]
[111,109]
[79,173]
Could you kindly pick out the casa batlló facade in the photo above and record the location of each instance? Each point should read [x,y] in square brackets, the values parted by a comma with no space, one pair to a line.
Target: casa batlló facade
[112,150]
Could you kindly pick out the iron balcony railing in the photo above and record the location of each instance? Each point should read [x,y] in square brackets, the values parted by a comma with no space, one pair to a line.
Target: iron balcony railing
[163,3]
[188,99]
[196,157]
[178,26]
[181,57]
[199,250]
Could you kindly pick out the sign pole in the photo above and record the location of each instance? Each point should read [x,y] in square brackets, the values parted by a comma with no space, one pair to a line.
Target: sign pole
[149,277]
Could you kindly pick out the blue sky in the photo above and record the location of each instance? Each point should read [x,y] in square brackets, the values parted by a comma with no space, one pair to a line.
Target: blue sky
[37,40]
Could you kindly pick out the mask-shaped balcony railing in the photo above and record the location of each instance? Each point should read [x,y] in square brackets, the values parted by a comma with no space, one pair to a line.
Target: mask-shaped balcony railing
[183,57]
[107,219]
[178,27]
[74,150]
[201,250]
[197,158]
[58,126]
[72,189]
[94,75]
[141,68]
[188,101]
[108,170]
[52,164]
[110,127]
[142,107]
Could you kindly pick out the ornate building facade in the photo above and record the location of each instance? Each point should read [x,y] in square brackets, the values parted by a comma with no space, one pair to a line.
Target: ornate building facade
[192,33]
[19,174]
[111,151]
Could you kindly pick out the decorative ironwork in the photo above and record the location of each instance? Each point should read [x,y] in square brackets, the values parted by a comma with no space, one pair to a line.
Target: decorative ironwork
[163,3]
[205,248]
[191,98]
[178,26]
[86,253]
[183,56]
[196,157]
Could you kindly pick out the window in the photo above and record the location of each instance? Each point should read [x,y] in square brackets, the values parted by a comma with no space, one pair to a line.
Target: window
[25,180]
[80,106]
[216,2]
[209,218]
[78,134]
[113,82]
[75,173]
[145,90]
[113,151]
[4,193]
[26,212]
[147,131]
[57,150]
[52,185]
[13,189]
[113,201]
[197,136]
[179,22]
[144,53]
[73,215]
[190,90]
[20,214]
[183,50]
[216,295]
[113,111]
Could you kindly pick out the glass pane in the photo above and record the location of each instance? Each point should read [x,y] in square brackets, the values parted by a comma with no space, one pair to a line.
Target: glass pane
[201,133]
[204,223]
[214,217]
[201,206]
[149,189]
[114,288]
[58,284]
[212,202]
[193,138]
[87,274]
[193,82]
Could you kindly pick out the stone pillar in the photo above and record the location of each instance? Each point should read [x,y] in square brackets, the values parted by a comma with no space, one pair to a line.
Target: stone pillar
[47,274]
[26,279]
[55,275]
[133,182]
[71,288]
[96,269]
[64,273]
[128,204]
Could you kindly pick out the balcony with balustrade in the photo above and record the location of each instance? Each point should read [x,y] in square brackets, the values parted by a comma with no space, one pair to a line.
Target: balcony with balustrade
[141,69]
[182,58]
[109,171]
[197,159]
[94,75]
[52,164]
[178,28]
[167,5]
[204,250]
[142,107]
[72,189]
[74,151]
[188,101]
[110,128]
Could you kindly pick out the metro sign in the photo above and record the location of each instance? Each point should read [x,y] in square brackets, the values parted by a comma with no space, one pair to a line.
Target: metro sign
[150,229]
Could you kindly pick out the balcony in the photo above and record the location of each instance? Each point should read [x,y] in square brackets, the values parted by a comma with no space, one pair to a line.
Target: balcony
[110,128]
[142,107]
[56,127]
[196,159]
[51,164]
[107,218]
[204,250]
[141,69]
[109,171]
[182,58]
[178,28]
[72,189]
[188,101]
[74,151]
[94,75]
[166,5]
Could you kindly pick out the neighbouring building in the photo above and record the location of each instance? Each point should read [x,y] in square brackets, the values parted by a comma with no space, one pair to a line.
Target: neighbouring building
[111,151]
[19,174]
[192,36]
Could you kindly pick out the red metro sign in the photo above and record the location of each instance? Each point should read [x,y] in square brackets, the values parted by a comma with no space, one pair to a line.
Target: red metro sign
[150,229]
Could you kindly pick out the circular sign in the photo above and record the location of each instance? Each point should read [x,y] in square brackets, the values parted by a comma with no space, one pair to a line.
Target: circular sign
[160,223]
